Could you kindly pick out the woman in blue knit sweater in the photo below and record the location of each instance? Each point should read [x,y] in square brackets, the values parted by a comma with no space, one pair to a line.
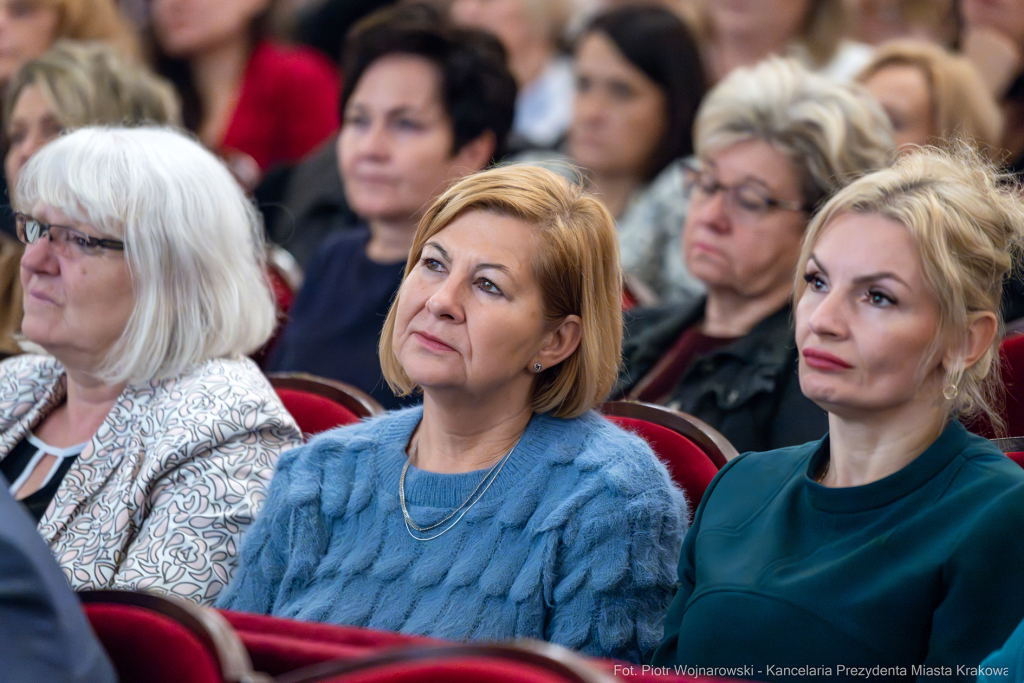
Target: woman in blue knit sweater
[504,506]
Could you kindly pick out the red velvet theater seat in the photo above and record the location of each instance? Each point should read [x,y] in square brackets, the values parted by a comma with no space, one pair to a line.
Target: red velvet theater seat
[157,639]
[277,645]
[319,404]
[692,450]
[519,662]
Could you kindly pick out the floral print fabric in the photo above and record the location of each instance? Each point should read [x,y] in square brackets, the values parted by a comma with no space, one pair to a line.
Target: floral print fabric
[160,497]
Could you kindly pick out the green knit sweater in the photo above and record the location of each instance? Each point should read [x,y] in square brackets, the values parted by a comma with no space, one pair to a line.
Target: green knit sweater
[921,572]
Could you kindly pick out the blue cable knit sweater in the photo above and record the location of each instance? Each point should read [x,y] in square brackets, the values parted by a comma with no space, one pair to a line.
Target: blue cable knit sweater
[575,542]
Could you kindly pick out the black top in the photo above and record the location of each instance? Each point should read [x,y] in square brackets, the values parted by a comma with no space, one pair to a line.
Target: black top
[20,458]
[338,314]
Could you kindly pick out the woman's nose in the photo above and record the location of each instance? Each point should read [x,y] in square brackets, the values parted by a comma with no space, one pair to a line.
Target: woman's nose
[39,257]
[827,317]
[445,302]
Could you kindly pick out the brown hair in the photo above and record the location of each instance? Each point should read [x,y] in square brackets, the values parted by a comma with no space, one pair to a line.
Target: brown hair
[578,273]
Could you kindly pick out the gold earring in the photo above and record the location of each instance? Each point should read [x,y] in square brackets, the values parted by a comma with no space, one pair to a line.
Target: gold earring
[950,391]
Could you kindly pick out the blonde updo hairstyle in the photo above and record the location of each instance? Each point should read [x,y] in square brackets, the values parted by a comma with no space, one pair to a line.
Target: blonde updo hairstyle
[577,272]
[968,226]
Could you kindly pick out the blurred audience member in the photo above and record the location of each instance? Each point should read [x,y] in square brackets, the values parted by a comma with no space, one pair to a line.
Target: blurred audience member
[29,27]
[526,514]
[892,544]
[532,32]
[773,143]
[879,21]
[248,97]
[69,86]
[737,33]
[144,441]
[424,104]
[994,41]
[933,97]
[639,82]
[45,634]
[323,24]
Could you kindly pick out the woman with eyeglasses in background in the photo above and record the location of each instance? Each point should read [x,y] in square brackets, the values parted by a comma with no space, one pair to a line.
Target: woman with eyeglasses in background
[144,441]
[772,143]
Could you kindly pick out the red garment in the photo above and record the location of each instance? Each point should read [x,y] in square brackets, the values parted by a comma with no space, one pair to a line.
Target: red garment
[287,106]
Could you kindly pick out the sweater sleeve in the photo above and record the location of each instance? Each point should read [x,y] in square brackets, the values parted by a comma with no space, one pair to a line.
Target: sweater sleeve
[267,546]
[617,563]
[983,601]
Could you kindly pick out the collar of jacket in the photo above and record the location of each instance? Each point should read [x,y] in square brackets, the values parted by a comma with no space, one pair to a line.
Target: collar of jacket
[764,352]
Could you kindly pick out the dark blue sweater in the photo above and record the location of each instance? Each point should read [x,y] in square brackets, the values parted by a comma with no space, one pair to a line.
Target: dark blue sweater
[337,316]
[575,542]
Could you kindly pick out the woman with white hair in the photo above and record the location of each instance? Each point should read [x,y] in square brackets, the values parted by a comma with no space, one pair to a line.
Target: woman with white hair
[144,442]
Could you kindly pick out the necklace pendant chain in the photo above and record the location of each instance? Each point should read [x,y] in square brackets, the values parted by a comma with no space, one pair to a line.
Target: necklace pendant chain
[461,510]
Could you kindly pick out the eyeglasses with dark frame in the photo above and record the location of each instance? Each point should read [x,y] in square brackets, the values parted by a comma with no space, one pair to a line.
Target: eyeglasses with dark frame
[62,237]
[746,202]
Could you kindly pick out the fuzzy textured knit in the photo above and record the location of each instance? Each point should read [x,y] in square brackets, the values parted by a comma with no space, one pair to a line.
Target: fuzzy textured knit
[575,542]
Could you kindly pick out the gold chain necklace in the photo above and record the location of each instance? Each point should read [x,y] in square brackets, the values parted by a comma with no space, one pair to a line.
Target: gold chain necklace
[410,525]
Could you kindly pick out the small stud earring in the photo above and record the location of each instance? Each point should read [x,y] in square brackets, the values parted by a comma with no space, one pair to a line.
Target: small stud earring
[537,367]
[950,392]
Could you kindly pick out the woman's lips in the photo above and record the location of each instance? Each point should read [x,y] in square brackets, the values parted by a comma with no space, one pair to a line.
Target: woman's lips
[822,360]
[432,342]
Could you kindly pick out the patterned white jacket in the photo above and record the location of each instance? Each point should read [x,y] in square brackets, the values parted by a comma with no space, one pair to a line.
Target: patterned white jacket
[161,495]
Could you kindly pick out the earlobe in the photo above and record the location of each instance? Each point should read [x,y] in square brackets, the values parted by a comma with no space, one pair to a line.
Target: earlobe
[559,344]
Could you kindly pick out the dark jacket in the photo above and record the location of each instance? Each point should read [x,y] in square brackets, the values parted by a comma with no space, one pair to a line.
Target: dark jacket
[748,390]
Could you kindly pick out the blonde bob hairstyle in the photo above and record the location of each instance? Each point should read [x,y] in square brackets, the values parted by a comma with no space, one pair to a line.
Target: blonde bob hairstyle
[193,243]
[577,272]
[962,106]
[968,227]
[832,132]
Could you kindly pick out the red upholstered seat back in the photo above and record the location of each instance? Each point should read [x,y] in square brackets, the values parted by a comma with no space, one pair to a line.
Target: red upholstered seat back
[149,647]
[689,466]
[465,670]
[315,413]
[277,645]
[1011,353]
[1017,457]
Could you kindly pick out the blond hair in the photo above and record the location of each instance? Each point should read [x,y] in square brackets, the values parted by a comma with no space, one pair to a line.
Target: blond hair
[967,225]
[577,272]
[90,83]
[962,106]
[832,132]
[96,20]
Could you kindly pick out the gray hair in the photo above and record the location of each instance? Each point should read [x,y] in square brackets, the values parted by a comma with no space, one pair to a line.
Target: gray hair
[832,132]
[193,243]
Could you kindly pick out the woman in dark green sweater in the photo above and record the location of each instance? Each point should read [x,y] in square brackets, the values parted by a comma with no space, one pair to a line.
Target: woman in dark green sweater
[890,548]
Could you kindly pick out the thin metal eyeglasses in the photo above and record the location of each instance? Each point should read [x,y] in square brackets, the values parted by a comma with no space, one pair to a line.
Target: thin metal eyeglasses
[746,202]
[64,239]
